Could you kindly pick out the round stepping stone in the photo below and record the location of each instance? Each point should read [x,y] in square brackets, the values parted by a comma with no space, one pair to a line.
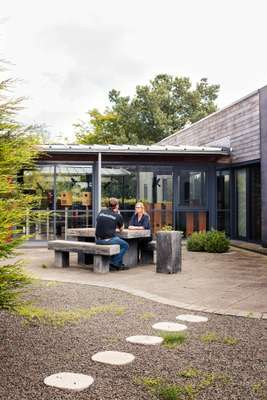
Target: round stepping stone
[192,318]
[145,339]
[169,326]
[113,357]
[69,381]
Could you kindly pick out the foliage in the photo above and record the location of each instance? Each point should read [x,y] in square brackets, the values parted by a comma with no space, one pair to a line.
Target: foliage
[155,111]
[212,242]
[172,340]
[44,316]
[210,337]
[167,228]
[196,242]
[12,280]
[17,151]
[216,242]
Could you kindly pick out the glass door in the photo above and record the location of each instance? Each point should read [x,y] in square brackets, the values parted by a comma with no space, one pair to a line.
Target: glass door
[241,202]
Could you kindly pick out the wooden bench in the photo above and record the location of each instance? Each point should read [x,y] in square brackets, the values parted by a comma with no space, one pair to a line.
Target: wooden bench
[100,252]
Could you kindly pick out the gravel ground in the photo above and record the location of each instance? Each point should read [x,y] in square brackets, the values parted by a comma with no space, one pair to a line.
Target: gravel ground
[30,352]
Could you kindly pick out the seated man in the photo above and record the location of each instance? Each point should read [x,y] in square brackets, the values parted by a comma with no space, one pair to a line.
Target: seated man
[108,220]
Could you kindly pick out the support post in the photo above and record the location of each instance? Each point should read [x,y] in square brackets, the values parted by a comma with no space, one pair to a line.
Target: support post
[101,264]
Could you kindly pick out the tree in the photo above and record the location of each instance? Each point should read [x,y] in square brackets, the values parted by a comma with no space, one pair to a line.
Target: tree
[17,151]
[155,111]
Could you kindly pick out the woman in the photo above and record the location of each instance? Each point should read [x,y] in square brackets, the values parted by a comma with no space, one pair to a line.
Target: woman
[140,219]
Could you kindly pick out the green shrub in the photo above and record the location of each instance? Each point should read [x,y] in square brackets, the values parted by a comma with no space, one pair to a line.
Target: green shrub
[212,242]
[216,242]
[196,242]
[12,281]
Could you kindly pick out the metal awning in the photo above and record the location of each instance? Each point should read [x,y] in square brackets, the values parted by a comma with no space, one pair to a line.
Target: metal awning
[132,149]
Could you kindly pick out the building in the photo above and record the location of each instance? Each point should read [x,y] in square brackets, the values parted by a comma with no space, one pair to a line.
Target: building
[212,174]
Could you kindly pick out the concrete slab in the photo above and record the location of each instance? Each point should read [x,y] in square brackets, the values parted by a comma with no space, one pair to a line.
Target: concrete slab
[208,282]
[69,381]
[169,326]
[191,318]
[113,357]
[145,340]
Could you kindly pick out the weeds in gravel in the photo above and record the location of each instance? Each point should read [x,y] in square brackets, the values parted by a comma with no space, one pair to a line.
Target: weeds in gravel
[147,315]
[172,340]
[34,314]
[189,373]
[230,340]
[211,337]
[163,390]
[260,388]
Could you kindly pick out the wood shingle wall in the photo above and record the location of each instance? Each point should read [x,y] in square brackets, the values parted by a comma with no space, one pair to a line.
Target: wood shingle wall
[237,126]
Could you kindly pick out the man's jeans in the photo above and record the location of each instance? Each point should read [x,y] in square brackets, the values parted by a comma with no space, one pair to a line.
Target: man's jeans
[117,258]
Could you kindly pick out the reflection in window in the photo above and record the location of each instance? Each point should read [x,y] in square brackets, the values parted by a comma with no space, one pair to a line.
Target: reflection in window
[223,201]
[192,189]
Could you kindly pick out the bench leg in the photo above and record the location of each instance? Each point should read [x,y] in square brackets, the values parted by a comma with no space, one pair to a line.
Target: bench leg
[101,264]
[62,259]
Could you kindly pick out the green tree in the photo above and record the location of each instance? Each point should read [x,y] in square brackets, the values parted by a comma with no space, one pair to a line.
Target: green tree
[155,111]
[17,151]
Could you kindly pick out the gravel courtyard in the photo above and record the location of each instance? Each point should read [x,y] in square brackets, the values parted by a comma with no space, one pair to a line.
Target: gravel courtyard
[220,359]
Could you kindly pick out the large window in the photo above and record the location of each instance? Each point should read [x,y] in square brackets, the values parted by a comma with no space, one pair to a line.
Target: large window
[192,188]
[223,201]
[241,202]
[120,182]
[156,191]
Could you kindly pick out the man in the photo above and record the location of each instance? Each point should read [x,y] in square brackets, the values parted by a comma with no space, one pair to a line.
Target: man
[108,220]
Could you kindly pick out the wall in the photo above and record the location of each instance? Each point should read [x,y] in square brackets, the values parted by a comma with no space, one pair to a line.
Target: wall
[263,124]
[236,126]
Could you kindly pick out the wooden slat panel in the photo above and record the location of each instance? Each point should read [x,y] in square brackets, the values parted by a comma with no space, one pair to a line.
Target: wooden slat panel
[189,223]
[202,221]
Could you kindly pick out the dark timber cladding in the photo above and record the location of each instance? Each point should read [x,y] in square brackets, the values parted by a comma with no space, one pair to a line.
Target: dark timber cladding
[263,129]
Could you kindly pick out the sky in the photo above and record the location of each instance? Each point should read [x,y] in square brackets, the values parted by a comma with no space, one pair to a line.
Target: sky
[67,55]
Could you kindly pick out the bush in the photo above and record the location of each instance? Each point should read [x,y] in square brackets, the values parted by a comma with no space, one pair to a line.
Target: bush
[212,242]
[216,242]
[196,242]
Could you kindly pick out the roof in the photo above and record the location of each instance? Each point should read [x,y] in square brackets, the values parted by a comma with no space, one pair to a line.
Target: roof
[132,149]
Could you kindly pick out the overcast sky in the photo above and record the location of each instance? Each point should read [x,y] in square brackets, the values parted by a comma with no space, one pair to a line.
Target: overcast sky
[69,54]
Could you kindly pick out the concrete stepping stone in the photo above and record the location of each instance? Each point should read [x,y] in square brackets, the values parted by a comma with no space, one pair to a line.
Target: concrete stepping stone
[192,318]
[145,339]
[113,357]
[169,326]
[69,381]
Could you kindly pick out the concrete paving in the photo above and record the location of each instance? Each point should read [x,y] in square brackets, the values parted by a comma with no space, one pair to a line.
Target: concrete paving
[233,283]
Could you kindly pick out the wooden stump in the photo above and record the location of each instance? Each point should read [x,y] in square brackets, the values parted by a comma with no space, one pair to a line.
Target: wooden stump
[169,252]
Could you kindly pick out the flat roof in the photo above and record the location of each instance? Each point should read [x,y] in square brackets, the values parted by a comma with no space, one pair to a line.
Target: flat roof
[132,149]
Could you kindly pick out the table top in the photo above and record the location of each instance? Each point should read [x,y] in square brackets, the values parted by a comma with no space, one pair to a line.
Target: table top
[125,234]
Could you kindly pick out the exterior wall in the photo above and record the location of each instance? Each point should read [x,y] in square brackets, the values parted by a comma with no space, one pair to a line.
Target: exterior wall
[263,124]
[236,126]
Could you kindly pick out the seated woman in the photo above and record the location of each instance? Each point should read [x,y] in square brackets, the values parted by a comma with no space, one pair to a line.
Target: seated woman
[140,219]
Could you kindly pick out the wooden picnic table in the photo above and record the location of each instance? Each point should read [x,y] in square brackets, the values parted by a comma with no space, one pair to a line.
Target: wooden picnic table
[130,259]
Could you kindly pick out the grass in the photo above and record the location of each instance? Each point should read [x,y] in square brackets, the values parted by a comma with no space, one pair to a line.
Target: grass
[33,314]
[172,340]
[147,315]
[259,388]
[163,390]
[211,337]
[189,373]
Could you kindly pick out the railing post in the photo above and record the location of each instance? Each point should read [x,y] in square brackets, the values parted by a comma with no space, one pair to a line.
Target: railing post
[66,222]
[47,225]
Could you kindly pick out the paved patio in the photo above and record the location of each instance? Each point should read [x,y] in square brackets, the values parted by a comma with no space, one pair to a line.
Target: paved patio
[233,283]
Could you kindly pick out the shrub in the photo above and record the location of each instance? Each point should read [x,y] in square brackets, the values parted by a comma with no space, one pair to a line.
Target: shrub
[196,242]
[216,242]
[212,242]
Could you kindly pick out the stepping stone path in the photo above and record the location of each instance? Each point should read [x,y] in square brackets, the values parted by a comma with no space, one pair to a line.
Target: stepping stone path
[146,340]
[191,318]
[113,357]
[69,381]
[169,326]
